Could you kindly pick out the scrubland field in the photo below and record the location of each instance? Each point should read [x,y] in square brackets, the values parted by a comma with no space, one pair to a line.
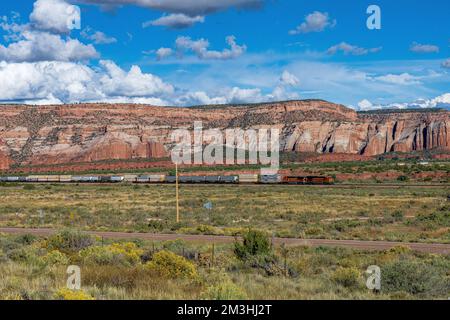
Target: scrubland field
[35,268]
[402,213]
[407,208]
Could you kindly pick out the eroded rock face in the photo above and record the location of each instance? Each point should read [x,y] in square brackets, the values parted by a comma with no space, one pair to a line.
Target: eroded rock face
[94,132]
[5,162]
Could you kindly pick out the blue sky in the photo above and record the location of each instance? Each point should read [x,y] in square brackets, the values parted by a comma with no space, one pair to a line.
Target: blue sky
[279,50]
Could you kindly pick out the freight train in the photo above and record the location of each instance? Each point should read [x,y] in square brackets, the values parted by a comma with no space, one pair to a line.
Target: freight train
[230,179]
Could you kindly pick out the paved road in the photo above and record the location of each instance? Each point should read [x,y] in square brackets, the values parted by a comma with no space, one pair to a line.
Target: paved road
[355,244]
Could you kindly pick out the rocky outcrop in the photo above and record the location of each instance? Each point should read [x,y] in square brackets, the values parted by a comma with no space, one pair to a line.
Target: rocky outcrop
[5,161]
[94,132]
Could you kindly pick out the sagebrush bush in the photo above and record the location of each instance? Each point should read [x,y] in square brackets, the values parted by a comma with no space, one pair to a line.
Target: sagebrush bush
[415,278]
[219,286]
[168,264]
[69,241]
[114,276]
[30,255]
[347,277]
[3,256]
[67,294]
[118,254]
[254,243]
[56,257]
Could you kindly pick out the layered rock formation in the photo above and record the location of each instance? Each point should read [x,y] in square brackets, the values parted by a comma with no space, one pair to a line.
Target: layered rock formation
[93,132]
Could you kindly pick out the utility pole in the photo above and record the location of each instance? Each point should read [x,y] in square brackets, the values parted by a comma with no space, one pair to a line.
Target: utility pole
[176,187]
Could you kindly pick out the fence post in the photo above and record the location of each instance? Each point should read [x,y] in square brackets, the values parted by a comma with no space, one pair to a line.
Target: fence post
[212,256]
[284,252]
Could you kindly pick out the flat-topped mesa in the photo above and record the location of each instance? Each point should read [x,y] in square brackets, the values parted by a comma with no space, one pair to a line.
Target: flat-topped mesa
[56,134]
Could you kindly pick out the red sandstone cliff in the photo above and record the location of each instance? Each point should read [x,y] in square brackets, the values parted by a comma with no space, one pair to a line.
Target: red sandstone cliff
[83,133]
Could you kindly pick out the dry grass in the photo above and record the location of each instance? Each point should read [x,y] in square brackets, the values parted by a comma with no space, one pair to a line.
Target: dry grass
[363,212]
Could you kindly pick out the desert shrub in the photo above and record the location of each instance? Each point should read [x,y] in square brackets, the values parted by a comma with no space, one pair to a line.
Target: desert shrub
[344,225]
[117,254]
[201,229]
[56,257]
[403,178]
[440,218]
[399,250]
[69,241]
[26,239]
[254,243]
[174,245]
[3,256]
[347,277]
[67,294]
[30,255]
[398,215]
[157,225]
[7,244]
[169,265]
[221,287]
[113,276]
[413,277]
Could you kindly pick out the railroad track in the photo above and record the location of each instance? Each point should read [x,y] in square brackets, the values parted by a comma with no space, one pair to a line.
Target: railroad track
[437,248]
[340,185]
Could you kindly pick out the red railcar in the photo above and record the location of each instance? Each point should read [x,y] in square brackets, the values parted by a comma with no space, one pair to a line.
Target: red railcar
[307,180]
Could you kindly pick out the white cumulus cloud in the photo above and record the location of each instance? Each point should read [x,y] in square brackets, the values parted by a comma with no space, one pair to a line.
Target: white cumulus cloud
[200,48]
[189,7]
[314,22]
[351,49]
[401,79]
[97,37]
[162,53]
[288,78]
[424,48]
[442,101]
[44,46]
[52,15]
[69,82]
[175,21]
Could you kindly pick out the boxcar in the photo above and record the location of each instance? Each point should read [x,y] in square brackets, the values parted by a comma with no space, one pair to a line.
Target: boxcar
[248,178]
[185,179]
[89,179]
[32,179]
[212,179]
[272,178]
[229,179]
[76,179]
[198,179]
[170,179]
[143,179]
[52,178]
[42,178]
[117,179]
[65,178]
[157,178]
[130,177]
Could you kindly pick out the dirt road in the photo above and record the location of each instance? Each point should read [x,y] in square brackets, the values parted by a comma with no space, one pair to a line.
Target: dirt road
[355,244]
